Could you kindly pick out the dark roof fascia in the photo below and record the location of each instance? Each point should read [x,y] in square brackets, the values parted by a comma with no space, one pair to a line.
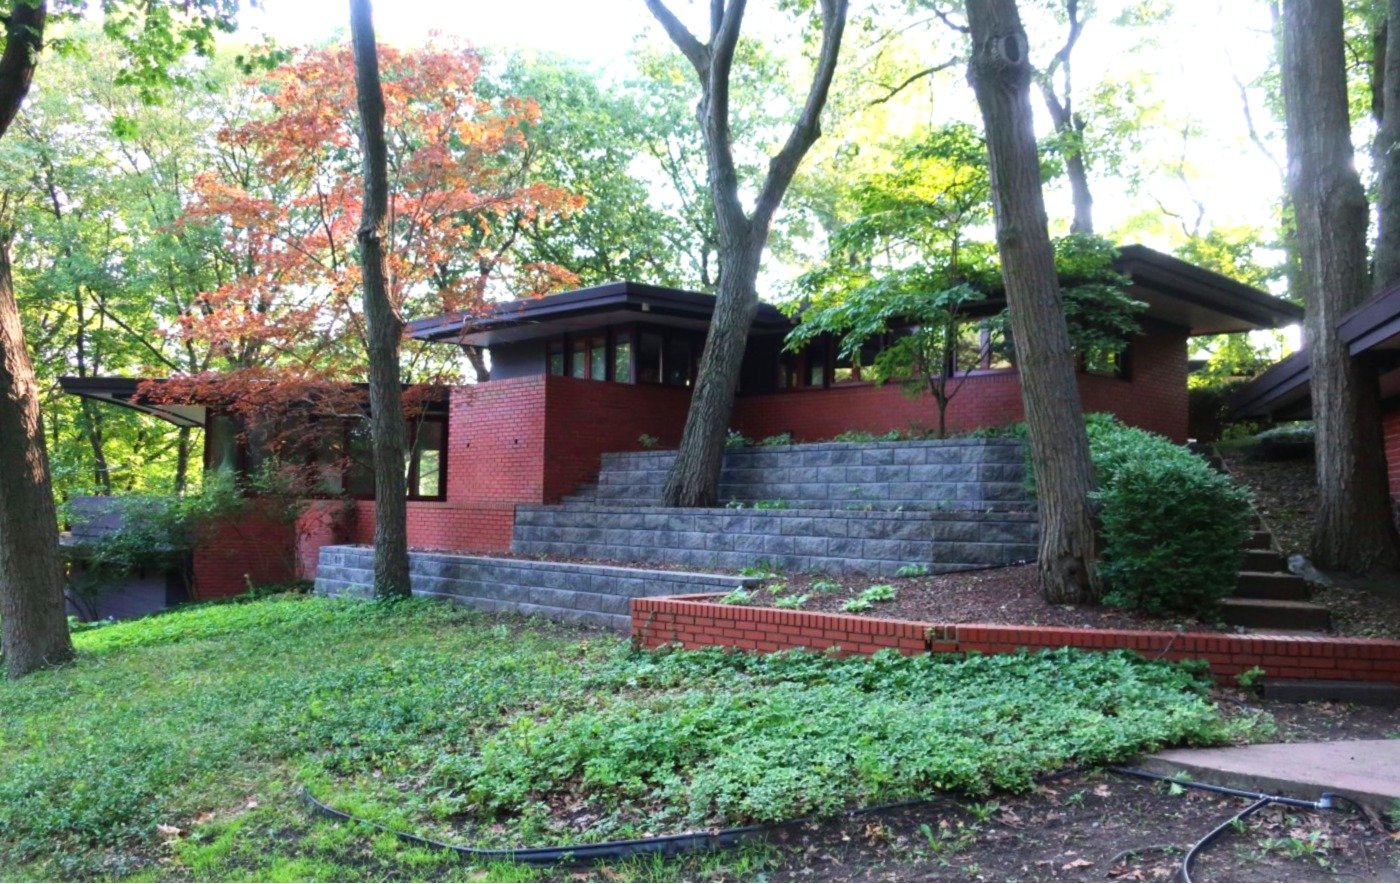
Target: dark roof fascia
[1205,288]
[581,302]
[1375,321]
[123,392]
[1260,396]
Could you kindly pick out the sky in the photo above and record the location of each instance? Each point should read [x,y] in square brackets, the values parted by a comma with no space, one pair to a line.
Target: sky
[1195,58]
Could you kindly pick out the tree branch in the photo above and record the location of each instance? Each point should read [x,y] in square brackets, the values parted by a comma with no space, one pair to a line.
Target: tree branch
[695,52]
[808,126]
[892,91]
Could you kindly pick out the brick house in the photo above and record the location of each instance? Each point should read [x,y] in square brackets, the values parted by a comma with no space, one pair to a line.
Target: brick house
[581,373]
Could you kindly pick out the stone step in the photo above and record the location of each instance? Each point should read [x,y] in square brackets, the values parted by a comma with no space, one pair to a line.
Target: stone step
[1265,561]
[1369,693]
[1265,585]
[1274,614]
[1260,540]
[1255,522]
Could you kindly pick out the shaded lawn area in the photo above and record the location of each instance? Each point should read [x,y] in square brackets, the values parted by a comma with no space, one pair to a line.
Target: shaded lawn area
[177,746]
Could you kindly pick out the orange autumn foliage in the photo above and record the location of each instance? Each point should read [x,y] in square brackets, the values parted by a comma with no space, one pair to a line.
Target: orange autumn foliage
[461,190]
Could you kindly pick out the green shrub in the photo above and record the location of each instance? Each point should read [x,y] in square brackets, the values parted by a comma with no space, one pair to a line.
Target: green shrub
[1173,527]
[734,440]
[1290,441]
[779,439]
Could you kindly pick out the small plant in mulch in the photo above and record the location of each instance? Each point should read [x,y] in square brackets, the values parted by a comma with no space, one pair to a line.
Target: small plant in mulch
[856,606]
[880,592]
[792,602]
[826,586]
[912,571]
[776,588]
[737,596]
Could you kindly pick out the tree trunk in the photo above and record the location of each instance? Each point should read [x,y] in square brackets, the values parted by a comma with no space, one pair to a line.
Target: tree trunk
[1387,157]
[182,460]
[34,632]
[384,328]
[1071,131]
[1000,73]
[32,611]
[92,425]
[1353,528]
[694,477]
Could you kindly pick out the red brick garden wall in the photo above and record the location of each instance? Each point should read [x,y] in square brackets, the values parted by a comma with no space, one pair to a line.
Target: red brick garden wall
[1152,397]
[697,622]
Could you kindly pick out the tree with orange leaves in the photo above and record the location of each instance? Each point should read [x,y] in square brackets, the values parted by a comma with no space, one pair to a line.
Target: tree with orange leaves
[461,192]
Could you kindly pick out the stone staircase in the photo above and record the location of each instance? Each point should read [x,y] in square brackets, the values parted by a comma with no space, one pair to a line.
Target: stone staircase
[1267,597]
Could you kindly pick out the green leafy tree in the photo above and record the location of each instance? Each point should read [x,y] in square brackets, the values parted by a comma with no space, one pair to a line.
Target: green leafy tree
[154,35]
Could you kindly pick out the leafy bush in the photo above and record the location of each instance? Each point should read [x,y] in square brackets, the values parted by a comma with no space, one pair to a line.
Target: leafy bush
[1291,441]
[880,592]
[648,441]
[779,439]
[735,439]
[1173,527]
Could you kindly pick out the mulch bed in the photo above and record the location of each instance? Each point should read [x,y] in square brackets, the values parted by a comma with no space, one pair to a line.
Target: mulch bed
[1003,596]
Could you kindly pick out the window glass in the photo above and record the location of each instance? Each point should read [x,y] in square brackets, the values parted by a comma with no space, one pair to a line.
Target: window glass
[222,443]
[649,358]
[677,363]
[556,360]
[578,363]
[359,473]
[598,360]
[816,364]
[622,362]
[428,453]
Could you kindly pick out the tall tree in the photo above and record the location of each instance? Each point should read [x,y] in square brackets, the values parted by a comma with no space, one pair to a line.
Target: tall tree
[35,628]
[1056,83]
[1000,72]
[383,325]
[1353,528]
[32,612]
[1387,153]
[694,477]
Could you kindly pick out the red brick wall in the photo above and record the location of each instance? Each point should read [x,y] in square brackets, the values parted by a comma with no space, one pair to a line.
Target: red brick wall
[586,419]
[1390,423]
[1153,398]
[248,550]
[697,622]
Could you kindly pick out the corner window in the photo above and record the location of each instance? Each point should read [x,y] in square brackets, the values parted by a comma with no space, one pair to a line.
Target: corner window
[622,361]
[556,358]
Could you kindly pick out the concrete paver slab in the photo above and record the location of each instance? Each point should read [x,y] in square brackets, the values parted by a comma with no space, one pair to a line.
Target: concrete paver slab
[1363,770]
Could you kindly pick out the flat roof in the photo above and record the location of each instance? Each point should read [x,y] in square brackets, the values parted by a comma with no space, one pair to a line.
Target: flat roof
[1282,391]
[125,392]
[1177,292]
[590,307]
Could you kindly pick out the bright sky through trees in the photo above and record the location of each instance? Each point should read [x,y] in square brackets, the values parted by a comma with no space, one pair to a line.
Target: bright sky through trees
[1194,60]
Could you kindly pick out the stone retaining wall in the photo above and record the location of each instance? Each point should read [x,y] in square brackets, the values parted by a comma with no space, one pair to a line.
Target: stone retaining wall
[928,474]
[827,540]
[596,595]
[698,622]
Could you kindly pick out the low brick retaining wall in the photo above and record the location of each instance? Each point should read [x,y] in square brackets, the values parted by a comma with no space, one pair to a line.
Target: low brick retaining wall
[929,474]
[696,621]
[596,595]
[830,541]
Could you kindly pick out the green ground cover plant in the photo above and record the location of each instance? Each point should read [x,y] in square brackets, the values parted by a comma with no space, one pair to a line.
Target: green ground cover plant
[177,746]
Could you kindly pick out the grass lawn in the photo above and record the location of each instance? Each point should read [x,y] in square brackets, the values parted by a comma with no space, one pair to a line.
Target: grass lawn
[177,746]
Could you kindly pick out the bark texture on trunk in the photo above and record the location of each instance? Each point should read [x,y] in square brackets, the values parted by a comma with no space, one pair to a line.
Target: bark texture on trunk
[1387,155]
[384,327]
[1353,529]
[1000,73]
[34,633]
[34,619]
[694,477]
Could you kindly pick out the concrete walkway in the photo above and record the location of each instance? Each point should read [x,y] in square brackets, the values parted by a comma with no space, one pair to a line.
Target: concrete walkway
[1364,770]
